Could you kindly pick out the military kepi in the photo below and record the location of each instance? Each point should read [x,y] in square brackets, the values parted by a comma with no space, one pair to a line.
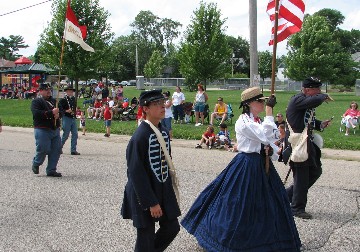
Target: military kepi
[311,82]
[44,86]
[69,87]
[147,97]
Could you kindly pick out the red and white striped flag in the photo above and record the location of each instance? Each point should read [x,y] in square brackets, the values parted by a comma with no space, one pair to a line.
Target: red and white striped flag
[73,31]
[290,19]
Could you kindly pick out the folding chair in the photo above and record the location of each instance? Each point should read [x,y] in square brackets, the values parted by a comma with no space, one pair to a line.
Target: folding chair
[229,116]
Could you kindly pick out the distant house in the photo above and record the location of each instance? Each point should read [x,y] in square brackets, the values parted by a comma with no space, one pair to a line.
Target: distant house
[356,58]
[280,73]
[6,64]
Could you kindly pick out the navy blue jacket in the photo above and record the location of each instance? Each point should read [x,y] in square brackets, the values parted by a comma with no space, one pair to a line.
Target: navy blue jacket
[149,181]
[43,116]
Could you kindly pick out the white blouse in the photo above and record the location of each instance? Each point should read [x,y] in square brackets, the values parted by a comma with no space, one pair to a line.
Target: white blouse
[250,134]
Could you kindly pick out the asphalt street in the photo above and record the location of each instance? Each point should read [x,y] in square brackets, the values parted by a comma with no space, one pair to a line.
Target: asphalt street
[80,211]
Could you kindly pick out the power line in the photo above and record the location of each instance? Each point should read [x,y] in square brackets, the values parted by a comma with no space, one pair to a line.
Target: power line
[23,8]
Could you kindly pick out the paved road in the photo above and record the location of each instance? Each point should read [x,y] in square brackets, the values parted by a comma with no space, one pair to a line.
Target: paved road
[80,211]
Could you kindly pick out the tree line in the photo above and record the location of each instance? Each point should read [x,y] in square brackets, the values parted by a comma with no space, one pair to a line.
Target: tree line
[204,53]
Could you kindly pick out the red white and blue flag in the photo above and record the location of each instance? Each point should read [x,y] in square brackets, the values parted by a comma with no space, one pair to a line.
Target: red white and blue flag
[290,18]
[75,32]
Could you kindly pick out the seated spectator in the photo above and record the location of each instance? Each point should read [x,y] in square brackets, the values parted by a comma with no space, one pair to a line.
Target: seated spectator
[222,138]
[188,106]
[280,142]
[220,111]
[279,119]
[125,103]
[94,112]
[78,112]
[4,92]
[350,117]
[208,138]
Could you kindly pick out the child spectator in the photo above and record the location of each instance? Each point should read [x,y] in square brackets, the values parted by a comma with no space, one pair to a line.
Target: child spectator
[208,138]
[78,112]
[83,122]
[166,121]
[222,138]
[108,114]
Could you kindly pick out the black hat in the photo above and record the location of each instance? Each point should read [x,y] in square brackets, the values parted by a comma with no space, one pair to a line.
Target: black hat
[69,88]
[149,96]
[311,82]
[44,86]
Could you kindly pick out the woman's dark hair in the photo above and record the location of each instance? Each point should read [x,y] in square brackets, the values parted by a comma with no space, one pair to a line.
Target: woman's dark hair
[246,109]
[354,102]
[178,88]
[201,86]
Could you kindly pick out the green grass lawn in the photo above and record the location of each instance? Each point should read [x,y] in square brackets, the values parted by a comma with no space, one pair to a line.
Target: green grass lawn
[17,113]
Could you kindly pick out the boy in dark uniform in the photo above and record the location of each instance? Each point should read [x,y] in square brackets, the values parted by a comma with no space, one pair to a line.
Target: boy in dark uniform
[149,196]
[298,113]
[47,131]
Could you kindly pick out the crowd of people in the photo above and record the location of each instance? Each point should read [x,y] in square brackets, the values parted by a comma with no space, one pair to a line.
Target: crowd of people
[248,185]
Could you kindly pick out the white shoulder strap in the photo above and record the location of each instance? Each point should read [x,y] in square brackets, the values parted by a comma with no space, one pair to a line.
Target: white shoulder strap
[161,140]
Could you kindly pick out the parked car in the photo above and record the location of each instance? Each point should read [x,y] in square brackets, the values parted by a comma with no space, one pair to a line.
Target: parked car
[116,83]
[81,82]
[124,83]
[132,83]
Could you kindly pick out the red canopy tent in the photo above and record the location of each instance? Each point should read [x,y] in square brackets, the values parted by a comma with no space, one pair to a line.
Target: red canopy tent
[23,61]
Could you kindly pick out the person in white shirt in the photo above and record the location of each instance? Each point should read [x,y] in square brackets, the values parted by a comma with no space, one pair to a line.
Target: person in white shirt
[246,207]
[166,121]
[178,98]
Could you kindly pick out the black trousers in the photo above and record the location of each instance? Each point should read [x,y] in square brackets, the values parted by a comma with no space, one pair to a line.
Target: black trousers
[305,175]
[149,241]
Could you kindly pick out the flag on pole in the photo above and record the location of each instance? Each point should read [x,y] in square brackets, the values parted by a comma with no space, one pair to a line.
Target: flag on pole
[290,19]
[73,31]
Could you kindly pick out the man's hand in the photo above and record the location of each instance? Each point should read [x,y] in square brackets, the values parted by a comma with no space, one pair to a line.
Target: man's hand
[56,113]
[156,211]
[325,124]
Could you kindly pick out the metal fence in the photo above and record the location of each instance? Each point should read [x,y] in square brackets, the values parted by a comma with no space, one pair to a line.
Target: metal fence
[231,83]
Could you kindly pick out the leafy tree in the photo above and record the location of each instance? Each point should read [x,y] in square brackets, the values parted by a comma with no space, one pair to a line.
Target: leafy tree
[241,50]
[76,62]
[153,33]
[313,52]
[204,51]
[122,58]
[155,65]
[334,18]
[265,64]
[10,46]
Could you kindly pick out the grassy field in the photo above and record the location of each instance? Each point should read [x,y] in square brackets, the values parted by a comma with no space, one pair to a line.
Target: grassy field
[17,113]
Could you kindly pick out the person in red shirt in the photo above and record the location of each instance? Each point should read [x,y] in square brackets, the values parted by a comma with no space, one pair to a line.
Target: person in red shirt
[350,117]
[108,115]
[208,138]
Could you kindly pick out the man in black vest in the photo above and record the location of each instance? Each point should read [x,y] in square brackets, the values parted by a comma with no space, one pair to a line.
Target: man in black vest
[67,108]
[47,131]
[298,113]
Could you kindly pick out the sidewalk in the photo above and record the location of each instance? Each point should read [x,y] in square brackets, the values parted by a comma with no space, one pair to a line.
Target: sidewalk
[80,211]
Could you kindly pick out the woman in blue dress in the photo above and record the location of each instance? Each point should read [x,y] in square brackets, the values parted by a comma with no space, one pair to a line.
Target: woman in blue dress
[246,207]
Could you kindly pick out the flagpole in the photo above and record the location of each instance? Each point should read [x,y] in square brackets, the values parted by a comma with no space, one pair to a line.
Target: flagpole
[61,58]
[272,90]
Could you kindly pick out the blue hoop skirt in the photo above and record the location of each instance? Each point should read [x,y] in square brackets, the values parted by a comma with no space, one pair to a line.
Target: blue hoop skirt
[243,209]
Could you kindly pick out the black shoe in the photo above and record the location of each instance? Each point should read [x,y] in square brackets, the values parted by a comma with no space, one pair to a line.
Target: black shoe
[54,174]
[106,135]
[75,153]
[35,169]
[303,215]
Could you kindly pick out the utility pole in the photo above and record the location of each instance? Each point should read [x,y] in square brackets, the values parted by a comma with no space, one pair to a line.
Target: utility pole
[254,69]
[136,61]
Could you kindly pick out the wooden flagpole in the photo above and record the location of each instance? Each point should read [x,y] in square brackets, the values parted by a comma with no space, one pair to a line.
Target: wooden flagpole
[61,58]
[274,47]
[272,89]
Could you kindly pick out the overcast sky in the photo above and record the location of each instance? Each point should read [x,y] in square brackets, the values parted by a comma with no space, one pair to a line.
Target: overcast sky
[29,23]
